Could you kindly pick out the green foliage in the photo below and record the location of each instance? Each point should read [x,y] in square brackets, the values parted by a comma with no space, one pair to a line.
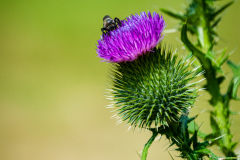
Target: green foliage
[189,146]
[201,18]
[196,12]
[234,84]
[191,129]
[154,89]
[148,144]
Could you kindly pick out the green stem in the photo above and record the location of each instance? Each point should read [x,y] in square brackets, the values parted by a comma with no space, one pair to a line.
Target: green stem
[148,144]
[203,30]
[218,101]
[222,113]
[220,104]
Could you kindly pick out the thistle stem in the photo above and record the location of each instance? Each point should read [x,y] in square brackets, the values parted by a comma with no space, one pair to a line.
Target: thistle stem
[221,111]
[204,34]
[147,145]
[219,102]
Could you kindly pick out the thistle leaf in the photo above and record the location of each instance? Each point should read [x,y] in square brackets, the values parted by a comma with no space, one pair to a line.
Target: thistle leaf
[193,118]
[221,59]
[234,84]
[214,126]
[174,15]
[184,127]
[211,56]
[209,136]
[192,127]
[170,155]
[195,140]
[216,22]
[186,41]
[234,145]
[208,153]
[234,113]
[220,10]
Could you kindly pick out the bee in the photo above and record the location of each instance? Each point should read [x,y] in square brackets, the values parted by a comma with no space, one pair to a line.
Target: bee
[110,24]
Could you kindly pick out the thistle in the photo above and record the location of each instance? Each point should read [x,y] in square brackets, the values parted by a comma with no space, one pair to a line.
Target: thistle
[151,88]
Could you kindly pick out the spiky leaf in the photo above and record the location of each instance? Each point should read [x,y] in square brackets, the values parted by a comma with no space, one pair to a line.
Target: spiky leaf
[234,84]
[174,15]
[220,10]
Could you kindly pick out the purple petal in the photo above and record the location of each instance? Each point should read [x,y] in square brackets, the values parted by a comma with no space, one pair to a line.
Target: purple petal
[137,35]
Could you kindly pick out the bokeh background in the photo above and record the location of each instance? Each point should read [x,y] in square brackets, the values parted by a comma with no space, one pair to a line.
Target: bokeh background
[52,83]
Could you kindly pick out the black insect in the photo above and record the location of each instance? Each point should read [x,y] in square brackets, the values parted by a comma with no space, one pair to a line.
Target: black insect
[109,24]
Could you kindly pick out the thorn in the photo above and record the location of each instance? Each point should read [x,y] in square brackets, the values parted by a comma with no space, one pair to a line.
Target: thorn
[170,30]
[193,61]
[139,154]
[158,138]
[129,128]
[200,95]
[113,116]
[196,68]
[119,122]
[203,111]
[201,80]
[201,73]
[110,106]
[219,137]
[202,89]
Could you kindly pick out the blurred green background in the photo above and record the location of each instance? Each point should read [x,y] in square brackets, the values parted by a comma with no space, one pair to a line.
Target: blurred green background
[52,83]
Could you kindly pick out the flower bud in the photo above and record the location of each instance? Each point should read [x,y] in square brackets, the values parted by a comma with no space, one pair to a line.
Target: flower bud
[152,90]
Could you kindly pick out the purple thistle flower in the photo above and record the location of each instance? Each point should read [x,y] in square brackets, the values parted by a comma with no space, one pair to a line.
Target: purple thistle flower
[137,35]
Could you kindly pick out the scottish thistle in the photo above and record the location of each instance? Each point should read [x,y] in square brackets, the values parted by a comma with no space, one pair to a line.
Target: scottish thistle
[152,87]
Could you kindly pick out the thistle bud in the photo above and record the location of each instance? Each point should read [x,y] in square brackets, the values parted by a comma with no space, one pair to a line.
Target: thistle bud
[152,90]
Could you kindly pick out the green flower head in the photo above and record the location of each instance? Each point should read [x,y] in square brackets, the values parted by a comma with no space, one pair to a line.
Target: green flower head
[153,89]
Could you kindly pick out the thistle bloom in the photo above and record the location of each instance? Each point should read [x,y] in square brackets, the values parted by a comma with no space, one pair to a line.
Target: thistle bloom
[148,89]
[137,35]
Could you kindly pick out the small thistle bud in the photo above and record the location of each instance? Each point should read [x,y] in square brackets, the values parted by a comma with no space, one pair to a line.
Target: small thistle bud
[153,89]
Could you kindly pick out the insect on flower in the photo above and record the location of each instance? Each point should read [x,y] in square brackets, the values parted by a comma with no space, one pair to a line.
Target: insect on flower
[109,24]
[131,37]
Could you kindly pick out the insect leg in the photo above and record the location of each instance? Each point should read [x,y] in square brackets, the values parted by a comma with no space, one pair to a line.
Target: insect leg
[103,29]
[116,20]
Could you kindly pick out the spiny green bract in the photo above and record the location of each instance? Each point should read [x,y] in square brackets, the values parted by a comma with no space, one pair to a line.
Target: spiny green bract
[153,89]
